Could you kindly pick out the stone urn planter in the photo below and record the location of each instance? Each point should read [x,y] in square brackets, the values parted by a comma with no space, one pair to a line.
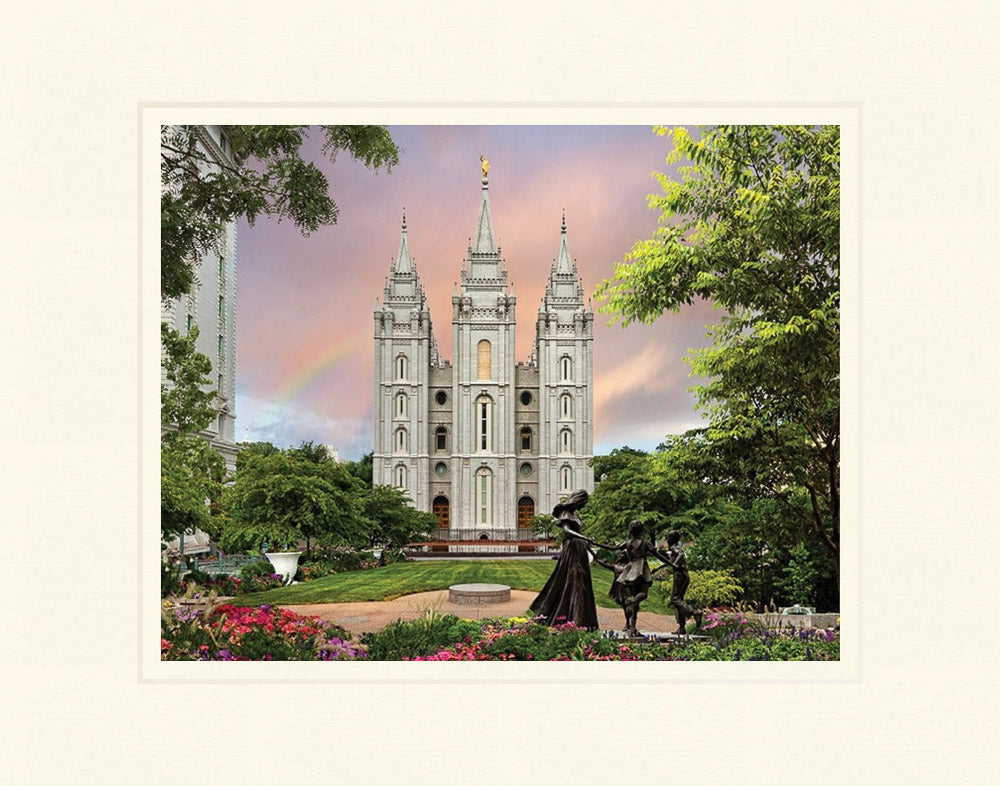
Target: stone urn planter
[285,563]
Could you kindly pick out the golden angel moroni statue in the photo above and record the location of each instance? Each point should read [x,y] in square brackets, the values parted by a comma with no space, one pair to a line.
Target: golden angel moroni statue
[486,165]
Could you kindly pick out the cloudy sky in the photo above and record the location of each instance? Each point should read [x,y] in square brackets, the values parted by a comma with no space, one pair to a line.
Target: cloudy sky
[304,305]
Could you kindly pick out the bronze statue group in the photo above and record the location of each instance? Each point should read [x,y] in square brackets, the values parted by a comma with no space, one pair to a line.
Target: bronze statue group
[568,595]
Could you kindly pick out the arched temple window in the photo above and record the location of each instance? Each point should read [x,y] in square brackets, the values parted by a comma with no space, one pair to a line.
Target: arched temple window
[484,424]
[565,368]
[484,497]
[566,478]
[484,356]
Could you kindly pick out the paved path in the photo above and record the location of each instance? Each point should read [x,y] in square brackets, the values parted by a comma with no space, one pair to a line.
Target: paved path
[364,617]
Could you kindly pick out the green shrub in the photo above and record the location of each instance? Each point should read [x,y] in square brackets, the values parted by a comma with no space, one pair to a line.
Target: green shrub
[708,589]
[170,579]
[257,570]
[412,638]
[195,576]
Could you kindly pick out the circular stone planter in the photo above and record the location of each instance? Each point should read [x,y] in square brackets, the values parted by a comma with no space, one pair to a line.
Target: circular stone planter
[478,593]
[285,563]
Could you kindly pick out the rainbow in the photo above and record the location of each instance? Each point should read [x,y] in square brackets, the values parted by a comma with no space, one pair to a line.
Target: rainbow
[314,367]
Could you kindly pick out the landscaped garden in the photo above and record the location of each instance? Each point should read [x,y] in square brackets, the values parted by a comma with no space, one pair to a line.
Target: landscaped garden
[229,632]
[253,627]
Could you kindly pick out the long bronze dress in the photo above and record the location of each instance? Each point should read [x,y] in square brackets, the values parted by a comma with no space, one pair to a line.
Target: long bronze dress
[568,595]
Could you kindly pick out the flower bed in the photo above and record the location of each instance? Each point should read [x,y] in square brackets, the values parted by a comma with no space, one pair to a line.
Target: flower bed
[228,632]
[235,585]
[524,639]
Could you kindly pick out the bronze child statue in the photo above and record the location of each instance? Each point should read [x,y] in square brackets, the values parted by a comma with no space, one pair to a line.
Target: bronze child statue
[674,558]
[632,577]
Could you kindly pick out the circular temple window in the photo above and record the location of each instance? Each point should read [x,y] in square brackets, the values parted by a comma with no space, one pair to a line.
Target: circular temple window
[526,469]
[525,398]
[441,397]
[440,468]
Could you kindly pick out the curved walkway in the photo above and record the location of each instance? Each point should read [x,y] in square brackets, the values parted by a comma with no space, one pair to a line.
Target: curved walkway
[364,617]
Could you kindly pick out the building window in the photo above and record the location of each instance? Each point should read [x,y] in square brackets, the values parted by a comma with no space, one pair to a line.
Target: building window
[401,440]
[485,360]
[441,397]
[440,438]
[221,343]
[190,321]
[566,478]
[526,469]
[220,384]
[401,367]
[221,306]
[565,441]
[222,267]
[484,424]
[526,438]
[565,406]
[401,477]
[484,496]
[565,368]
[401,405]
[440,469]
[525,398]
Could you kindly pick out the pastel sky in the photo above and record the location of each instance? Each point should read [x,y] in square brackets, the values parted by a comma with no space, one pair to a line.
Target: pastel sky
[305,305]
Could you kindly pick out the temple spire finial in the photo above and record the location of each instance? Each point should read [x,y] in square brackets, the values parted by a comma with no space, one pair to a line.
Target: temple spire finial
[403,264]
[563,264]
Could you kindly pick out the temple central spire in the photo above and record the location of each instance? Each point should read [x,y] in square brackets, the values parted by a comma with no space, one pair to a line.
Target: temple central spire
[485,240]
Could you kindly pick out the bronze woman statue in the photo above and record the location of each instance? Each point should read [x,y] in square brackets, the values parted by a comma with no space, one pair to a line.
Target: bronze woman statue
[568,595]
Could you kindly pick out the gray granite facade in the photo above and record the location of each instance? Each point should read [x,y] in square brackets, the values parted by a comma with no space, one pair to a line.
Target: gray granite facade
[484,442]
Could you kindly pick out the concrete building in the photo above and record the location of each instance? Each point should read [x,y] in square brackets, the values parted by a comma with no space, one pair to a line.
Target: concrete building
[211,305]
[483,441]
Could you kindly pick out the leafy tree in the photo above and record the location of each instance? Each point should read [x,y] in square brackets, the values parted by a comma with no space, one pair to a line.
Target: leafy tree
[191,472]
[310,451]
[390,522]
[753,225]
[363,468]
[267,176]
[250,449]
[281,498]
[647,487]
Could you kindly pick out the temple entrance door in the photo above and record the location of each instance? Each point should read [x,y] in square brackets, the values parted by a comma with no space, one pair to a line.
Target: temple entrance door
[525,512]
[441,509]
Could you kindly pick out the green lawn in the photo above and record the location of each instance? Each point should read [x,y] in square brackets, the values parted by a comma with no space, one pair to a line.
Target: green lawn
[406,578]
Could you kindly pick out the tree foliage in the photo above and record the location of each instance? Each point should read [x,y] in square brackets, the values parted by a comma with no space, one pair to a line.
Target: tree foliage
[191,473]
[647,487]
[281,498]
[392,523]
[266,175]
[753,225]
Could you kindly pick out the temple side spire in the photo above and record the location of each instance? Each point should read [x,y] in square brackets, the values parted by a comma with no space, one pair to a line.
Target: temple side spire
[403,262]
[564,264]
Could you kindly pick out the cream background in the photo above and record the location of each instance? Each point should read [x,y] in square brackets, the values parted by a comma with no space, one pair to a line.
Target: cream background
[918,705]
